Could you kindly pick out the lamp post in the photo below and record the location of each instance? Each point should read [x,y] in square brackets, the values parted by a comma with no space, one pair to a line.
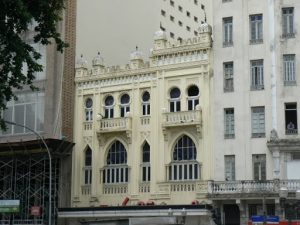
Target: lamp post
[50,162]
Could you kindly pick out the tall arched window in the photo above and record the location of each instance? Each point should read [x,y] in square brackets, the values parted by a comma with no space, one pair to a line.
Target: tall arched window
[146,103]
[184,165]
[193,97]
[175,100]
[88,166]
[116,169]
[146,176]
[88,109]
[125,107]
[109,107]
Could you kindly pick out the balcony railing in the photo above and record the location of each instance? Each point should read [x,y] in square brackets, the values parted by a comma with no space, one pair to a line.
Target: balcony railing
[111,189]
[86,189]
[144,187]
[251,186]
[182,118]
[114,124]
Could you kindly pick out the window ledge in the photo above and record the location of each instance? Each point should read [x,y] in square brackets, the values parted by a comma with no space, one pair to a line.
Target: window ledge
[288,36]
[290,83]
[257,88]
[258,135]
[227,44]
[229,136]
[256,42]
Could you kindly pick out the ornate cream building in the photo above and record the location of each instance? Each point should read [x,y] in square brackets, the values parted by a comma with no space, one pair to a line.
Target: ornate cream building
[143,133]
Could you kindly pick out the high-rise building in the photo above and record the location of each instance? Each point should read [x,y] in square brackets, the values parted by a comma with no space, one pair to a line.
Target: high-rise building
[256,86]
[115,28]
[24,162]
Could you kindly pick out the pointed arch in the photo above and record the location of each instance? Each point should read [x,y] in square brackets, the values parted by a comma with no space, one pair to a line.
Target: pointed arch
[146,169]
[116,169]
[184,165]
[88,165]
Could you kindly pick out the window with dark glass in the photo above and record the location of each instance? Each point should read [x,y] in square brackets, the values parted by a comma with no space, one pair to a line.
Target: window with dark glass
[184,165]
[291,123]
[146,172]
[116,169]
[125,107]
[193,97]
[175,100]
[109,107]
[89,109]
[146,103]
[88,166]
[256,29]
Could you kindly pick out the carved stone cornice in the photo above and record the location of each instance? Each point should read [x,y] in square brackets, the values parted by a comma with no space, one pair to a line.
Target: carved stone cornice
[284,144]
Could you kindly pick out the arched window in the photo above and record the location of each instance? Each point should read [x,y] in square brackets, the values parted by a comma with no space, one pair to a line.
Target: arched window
[146,162]
[116,170]
[184,165]
[175,100]
[89,109]
[109,107]
[125,107]
[88,166]
[146,103]
[193,97]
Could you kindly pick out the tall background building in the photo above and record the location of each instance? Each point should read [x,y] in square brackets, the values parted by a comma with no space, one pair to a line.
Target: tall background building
[256,108]
[115,28]
[24,163]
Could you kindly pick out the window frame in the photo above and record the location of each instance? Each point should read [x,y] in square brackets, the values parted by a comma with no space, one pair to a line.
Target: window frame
[257,74]
[227,31]
[288,23]
[289,69]
[228,74]
[258,122]
[256,28]
[229,123]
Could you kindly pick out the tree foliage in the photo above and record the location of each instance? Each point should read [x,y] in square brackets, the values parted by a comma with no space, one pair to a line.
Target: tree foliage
[16,17]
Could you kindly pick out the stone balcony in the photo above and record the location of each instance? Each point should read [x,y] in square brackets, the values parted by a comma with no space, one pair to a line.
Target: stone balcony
[107,126]
[251,188]
[182,119]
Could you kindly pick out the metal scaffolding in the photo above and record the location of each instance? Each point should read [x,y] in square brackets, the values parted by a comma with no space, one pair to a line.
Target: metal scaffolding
[26,177]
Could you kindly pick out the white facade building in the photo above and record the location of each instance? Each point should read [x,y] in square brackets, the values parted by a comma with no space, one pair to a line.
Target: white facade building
[256,82]
[115,28]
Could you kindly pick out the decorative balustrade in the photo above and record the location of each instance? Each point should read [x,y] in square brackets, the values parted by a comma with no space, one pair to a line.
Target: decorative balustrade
[144,187]
[111,189]
[251,186]
[145,120]
[86,189]
[114,124]
[182,118]
[87,125]
[185,186]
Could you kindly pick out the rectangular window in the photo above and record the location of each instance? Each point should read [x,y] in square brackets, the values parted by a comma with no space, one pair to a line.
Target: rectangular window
[258,121]
[228,76]
[289,70]
[259,167]
[257,74]
[172,35]
[227,32]
[188,14]
[180,23]
[28,111]
[180,8]
[256,29]
[291,124]
[171,3]
[87,175]
[146,109]
[288,23]
[196,19]
[109,112]
[188,28]
[229,123]
[196,2]
[163,12]
[172,18]
[229,167]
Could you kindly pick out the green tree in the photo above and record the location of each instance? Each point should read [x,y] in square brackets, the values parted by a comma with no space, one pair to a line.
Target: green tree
[16,16]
